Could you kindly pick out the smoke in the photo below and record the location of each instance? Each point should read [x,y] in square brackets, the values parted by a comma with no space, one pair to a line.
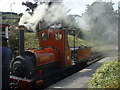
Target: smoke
[56,14]
[48,15]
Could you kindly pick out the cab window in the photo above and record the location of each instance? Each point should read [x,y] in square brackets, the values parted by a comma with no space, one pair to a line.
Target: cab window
[58,36]
[45,36]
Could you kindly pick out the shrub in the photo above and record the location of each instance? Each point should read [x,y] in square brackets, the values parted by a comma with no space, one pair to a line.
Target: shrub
[31,40]
[107,76]
[13,42]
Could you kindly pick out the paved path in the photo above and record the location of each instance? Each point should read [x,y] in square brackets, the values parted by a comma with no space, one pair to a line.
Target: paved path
[81,78]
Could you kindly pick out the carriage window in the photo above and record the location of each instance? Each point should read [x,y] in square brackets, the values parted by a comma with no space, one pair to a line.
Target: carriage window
[58,36]
[45,36]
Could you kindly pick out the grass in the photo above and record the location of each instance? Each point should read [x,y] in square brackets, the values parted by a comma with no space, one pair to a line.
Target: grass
[98,48]
[78,42]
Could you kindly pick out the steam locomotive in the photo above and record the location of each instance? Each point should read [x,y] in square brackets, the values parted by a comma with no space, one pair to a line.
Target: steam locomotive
[32,68]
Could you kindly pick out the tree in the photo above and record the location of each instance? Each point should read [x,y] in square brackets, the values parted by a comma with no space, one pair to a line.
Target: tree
[102,22]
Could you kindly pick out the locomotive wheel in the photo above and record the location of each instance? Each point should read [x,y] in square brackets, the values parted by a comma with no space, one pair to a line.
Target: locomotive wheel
[23,67]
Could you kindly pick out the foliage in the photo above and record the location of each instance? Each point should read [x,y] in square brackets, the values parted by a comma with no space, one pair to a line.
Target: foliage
[13,41]
[31,40]
[107,76]
[6,18]
[118,60]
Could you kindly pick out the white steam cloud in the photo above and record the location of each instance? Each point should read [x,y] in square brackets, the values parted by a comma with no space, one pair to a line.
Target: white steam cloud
[31,21]
[54,14]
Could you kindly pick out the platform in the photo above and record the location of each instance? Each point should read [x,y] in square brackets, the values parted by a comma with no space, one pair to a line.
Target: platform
[81,78]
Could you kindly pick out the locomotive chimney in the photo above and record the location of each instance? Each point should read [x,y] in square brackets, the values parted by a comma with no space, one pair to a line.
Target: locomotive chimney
[21,40]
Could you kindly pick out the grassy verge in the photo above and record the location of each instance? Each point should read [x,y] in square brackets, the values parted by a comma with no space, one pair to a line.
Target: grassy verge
[78,42]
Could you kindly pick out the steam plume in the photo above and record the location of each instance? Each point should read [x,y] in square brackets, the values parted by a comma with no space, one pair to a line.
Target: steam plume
[31,21]
[54,14]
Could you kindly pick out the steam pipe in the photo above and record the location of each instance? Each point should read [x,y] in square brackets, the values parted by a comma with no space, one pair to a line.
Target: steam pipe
[21,40]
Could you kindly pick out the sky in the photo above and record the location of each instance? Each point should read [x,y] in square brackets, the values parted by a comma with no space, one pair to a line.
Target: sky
[76,6]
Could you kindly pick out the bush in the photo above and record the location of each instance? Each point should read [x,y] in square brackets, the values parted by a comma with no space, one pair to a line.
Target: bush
[31,40]
[107,76]
[13,42]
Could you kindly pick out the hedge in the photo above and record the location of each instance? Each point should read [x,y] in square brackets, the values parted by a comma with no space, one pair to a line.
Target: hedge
[107,76]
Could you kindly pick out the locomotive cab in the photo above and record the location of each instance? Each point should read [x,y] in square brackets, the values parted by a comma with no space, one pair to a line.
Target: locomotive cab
[57,38]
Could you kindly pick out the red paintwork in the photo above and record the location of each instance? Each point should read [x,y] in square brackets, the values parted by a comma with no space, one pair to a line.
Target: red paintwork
[84,54]
[45,56]
[62,45]
[39,82]
[5,25]
[40,72]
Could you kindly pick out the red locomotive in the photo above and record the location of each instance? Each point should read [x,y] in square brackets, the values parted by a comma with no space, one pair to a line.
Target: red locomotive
[33,68]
